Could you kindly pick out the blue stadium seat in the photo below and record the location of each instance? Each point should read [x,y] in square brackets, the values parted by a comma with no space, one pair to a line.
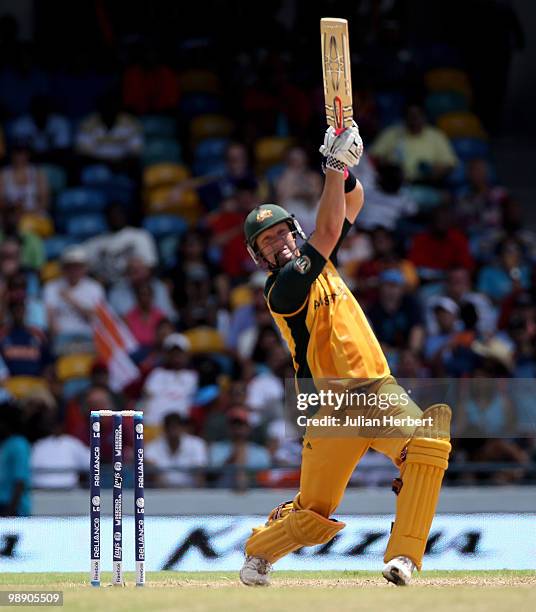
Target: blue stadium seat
[440,102]
[56,175]
[390,106]
[274,172]
[164,225]
[209,168]
[161,150]
[194,104]
[470,148]
[425,197]
[96,174]
[458,177]
[211,148]
[75,386]
[55,246]
[155,126]
[80,199]
[86,226]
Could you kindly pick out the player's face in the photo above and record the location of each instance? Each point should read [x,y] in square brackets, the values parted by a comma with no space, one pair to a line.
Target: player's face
[277,244]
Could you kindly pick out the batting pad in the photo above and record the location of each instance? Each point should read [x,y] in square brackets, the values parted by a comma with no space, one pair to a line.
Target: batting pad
[295,528]
[422,473]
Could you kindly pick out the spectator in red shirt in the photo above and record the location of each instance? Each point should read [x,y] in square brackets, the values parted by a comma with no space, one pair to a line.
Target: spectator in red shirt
[144,318]
[440,247]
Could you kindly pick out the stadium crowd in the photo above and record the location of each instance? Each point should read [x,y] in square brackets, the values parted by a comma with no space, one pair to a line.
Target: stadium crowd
[131,192]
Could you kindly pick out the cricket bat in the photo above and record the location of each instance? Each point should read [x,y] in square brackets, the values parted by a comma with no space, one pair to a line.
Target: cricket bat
[336,71]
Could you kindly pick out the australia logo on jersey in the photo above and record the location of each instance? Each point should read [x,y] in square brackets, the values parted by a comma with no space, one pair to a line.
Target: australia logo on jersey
[302,264]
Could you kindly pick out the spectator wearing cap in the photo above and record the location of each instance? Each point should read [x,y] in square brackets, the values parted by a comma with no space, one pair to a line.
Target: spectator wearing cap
[71,299]
[396,316]
[438,347]
[32,248]
[439,248]
[47,132]
[59,460]
[234,458]
[23,182]
[178,456]
[23,349]
[122,296]
[15,469]
[423,151]
[109,254]
[511,273]
[385,256]
[144,318]
[170,387]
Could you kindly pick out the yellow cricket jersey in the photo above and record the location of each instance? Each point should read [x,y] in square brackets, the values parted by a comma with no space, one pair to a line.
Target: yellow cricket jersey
[328,334]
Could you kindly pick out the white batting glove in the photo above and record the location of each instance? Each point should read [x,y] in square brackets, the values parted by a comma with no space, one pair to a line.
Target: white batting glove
[329,137]
[347,147]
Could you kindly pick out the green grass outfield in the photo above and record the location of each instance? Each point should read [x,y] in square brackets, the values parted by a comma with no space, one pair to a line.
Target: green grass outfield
[292,591]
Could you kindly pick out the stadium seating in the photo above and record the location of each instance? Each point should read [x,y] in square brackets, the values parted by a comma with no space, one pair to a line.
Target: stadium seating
[157,126]
[50,271]
[74,366]
[194,104]
[164,225]
[55,245]
[57,177]
[449,79]
[23,386]
[210,126]
[471,148]
[37,224]
[205,339]
[74,387]
[95,174]
[390,107]
[199,81]
[440,102]
[211,150]
[240,296]
[164,174]
[271,150]
[80,200]
[161,150]
[86,225]
[461,125]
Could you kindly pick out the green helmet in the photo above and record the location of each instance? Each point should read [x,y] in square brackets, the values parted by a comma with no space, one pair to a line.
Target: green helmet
[262,218]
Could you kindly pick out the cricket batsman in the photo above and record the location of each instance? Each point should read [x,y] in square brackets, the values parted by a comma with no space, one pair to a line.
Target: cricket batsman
[329,337]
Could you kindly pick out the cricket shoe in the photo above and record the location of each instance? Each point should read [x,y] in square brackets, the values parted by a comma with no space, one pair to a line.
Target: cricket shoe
[255,572]
[399,571]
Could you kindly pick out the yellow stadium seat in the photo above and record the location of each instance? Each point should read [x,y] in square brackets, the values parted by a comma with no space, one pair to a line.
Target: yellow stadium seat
[208,126]
[240,296]
[461,125]
[158,175]
[205,340]
[164,200]
[50,271]
[77,365]
[271,150]
[449,79]
[37,224]
[199,81]
[22,386]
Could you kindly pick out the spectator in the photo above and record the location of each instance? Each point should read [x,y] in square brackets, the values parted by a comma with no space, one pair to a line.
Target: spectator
[177,455]
[33,251]
[458,288]
[479,205]
[122,295]
[438,347]
[298,188]
[510,273]
[423,151]
[109,253]
[170,387]
[235,457]
[47,133]
[70,301]
[440,247]
[15,471]
[385,256]
[58,460]
[386,202]
[23,349]
[19,284]
[149,86]
[144,318]
[110,135]
[23,183]
[395,316]
[11,266]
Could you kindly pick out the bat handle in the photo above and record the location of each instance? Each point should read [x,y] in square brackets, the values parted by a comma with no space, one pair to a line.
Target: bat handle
[340,131]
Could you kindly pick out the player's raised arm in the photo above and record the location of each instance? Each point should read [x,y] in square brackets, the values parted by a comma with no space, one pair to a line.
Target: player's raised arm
[341,151]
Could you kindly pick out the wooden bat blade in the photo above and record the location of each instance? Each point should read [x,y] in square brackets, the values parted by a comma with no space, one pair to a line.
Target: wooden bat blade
[336,70]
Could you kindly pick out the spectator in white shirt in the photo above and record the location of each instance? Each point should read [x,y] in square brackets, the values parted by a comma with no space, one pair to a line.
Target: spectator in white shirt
[71,299]
[59,459]
[109,254]
[172,387]
[177,455]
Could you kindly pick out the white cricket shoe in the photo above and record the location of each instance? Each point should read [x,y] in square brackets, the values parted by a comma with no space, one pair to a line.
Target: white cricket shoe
[399,571]
[255,572]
